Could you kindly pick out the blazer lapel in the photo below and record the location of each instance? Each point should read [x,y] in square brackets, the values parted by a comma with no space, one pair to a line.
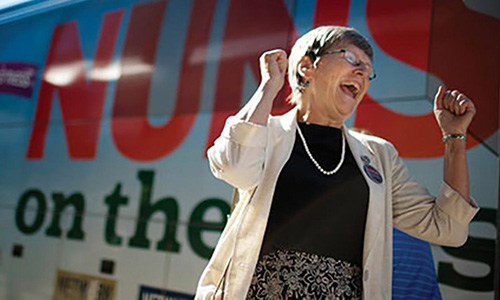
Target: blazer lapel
[376,203]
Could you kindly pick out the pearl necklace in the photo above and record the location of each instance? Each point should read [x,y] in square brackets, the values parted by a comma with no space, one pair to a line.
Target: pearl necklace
[315,162]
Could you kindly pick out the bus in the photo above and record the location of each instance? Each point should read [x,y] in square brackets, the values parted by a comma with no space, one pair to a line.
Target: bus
[107,108]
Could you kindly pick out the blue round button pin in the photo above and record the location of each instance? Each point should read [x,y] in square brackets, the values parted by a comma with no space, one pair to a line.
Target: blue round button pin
[365,159]
[373,174]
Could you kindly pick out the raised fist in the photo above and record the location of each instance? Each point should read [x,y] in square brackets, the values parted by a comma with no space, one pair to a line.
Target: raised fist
[273,65]
[453,111]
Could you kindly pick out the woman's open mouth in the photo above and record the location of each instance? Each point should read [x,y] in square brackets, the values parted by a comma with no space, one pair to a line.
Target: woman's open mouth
[351,88]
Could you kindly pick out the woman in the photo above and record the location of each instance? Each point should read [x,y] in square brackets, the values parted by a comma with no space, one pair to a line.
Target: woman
[317,201]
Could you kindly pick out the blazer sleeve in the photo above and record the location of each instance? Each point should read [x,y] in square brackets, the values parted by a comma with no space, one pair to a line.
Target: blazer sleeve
[238,155]
[442,220]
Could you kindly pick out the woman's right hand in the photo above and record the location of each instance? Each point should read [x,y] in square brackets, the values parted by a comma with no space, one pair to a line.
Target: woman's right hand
[273,65]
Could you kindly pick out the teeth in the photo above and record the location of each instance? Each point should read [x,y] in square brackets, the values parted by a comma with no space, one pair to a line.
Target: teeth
[354,87]
[354,84]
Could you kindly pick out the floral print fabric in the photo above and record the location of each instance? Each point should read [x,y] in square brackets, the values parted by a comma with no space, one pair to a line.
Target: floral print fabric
[298,275]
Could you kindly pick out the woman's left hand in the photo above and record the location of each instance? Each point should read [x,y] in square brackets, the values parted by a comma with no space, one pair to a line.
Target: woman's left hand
[453,111]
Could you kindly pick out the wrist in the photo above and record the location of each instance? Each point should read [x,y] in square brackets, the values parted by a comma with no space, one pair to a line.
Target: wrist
[448,132]
[272,84]
[454,137]
[453,130]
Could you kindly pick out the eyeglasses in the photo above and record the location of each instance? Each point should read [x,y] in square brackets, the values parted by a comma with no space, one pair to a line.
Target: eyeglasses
[351,58]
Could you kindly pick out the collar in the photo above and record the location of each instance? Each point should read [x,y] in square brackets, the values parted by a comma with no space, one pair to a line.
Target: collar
[288,123]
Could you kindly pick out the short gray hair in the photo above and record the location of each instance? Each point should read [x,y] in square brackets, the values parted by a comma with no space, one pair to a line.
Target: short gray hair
[317,41]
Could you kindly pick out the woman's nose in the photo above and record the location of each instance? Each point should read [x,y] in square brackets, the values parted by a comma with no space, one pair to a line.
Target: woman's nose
[361,71]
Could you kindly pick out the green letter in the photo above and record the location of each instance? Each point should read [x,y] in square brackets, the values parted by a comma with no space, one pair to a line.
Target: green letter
[60,203]
[476,249]
[197,225]
[113,201]
[167,205]
[40,211]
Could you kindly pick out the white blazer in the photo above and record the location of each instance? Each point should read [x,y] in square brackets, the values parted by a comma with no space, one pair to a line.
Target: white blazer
[250,158]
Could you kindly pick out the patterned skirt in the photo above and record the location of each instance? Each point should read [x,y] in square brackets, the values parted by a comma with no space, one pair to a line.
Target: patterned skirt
[297,275]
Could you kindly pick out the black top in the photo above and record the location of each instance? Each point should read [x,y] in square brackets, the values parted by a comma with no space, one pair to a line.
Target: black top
[316,213]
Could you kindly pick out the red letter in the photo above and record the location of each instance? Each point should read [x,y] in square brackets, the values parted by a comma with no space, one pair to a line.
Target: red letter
[81,100]
[330,12]
[134,137]
[252,28]
[457,45]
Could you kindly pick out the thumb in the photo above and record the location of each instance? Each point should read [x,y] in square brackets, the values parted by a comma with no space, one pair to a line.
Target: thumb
[438,99]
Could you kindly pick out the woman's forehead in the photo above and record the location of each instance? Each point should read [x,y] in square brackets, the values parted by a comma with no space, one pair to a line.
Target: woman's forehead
[353,48]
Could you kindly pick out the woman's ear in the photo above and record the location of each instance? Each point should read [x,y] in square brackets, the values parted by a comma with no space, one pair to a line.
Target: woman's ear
[306,67]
